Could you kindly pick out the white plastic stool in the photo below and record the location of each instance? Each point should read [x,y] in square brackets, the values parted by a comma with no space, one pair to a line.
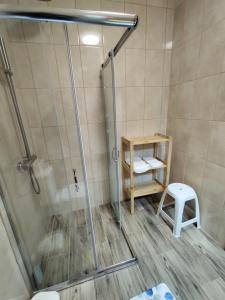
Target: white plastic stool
[181,193]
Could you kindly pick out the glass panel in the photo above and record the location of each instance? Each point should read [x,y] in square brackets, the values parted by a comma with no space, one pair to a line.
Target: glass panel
[111,132]
[52,227]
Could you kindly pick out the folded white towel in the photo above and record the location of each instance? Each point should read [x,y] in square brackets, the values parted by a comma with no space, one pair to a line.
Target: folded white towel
[140,166]
[153,162]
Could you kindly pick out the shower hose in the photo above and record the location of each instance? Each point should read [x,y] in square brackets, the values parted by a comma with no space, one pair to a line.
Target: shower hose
[34,181]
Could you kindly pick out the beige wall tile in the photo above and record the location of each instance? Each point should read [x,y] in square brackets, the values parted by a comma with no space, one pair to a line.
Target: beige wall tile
[38,140]
[213,187]
[88,4]
[193,172]
[199,138]
[7,126]
[211,56]
[206,94]
[167,67]
[68,108]
[77,67]
[15,30]
[21,65]
[100,166]
[73,34]
[94,105]
[153,102]
[134,103]
[171,3]
[185,98]
[218,97]
[191,58]
[111,36]
[213,12]
[182,134]
[137,39]
[74,145]
[134,128]
[154,68]
[179,22]
[177,166]
[120,69]
[59,176]
[81,106]
[172,101]
[158,3]
[143,2]
[151,127]
[37,32]
[97,138]
[43,63]
[165,102]
[29,102]
[63,133]
[65,4]
[46,106]
[121,113]
[212,218]
[62,63]
[217,144]
[135,67]
[156,20]
[177,65]
[169,28]
[52,140]
[91,58]
[12,284]
[193,18]
[58,34]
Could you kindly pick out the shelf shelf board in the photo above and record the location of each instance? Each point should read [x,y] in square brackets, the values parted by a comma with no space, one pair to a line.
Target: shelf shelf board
[146,189]
[146,140]
[126,166]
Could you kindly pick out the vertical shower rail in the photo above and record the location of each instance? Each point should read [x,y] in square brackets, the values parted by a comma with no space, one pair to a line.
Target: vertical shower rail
[27,162]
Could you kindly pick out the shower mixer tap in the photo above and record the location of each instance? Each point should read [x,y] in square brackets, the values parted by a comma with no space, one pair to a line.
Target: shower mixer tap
[26,163]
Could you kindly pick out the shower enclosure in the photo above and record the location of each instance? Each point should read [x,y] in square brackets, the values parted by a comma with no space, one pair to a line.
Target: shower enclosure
[60,232]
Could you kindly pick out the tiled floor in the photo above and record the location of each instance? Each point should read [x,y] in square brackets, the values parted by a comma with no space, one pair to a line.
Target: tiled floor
[192,266]
[70,254]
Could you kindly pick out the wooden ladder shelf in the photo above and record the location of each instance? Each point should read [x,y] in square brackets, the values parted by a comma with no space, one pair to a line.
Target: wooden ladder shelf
[154,186]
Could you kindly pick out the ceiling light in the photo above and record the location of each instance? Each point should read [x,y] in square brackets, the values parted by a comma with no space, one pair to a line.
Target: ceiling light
[90,39]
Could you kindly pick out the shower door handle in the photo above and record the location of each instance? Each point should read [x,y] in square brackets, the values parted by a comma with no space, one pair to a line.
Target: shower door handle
[75,181]
[115,154]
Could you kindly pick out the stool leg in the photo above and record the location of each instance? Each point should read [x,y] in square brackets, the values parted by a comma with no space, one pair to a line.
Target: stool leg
[179,209]
[161,202]
[197,212]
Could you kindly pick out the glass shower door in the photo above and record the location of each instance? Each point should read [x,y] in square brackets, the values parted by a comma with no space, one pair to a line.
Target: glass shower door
[53,228]
[112,135]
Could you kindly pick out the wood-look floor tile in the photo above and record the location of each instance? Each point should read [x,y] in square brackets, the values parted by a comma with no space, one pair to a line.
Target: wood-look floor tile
[130,282]
[106,287]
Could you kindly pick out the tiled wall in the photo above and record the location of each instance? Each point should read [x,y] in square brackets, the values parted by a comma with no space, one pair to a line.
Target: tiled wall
[196,116]
[38,57]
[11,285]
